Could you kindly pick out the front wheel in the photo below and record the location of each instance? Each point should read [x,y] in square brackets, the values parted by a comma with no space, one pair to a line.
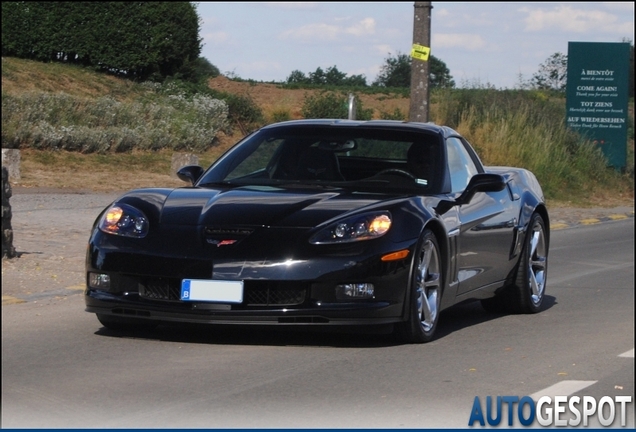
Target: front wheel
[425,292]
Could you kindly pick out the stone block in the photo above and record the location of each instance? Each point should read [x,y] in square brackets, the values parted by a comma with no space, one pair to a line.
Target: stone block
[11,160]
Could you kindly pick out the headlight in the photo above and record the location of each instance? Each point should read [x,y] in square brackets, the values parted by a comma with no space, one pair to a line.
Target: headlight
[360,227]
[124,220]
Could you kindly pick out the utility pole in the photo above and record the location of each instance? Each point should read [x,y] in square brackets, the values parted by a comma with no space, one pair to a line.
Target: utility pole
[418,110]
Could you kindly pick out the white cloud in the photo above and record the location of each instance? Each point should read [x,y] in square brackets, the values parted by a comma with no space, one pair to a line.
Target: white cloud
[469,42]
[383,49]
[312,32]
[364,27]
[444,18]
[347,18]
[442,13]
[566,18]
[323,31]
[479,20]
[621,6]
[291,5]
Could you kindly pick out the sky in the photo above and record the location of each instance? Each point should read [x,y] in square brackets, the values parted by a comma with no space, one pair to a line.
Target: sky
[498,44]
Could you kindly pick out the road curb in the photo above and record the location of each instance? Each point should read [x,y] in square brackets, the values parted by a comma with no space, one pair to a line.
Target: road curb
[9,300]
[592,221]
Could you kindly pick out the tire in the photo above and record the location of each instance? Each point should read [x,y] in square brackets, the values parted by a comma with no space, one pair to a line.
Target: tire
[526,294]
[425,292]
[530,284]
[125,324]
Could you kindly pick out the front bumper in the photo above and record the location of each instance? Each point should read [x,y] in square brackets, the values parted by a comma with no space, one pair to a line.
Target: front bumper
[130,305]
[277,291]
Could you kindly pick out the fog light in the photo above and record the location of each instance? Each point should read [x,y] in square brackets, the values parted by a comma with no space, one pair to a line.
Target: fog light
[99,281]
[354,291]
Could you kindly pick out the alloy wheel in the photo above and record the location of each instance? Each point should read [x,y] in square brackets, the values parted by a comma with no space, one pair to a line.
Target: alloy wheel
[537,263]
[428,285]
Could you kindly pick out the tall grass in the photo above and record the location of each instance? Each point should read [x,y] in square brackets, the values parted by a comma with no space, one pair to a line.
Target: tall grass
[527,129]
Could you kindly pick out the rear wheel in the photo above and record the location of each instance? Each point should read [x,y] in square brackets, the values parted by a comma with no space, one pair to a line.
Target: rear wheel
[425,292]
[526,294]
[125,323]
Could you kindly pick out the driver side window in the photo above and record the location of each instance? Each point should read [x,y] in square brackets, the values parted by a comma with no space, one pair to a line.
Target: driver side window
[460,165]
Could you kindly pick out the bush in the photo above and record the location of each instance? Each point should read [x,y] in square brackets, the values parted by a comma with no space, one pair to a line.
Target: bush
[397,114]
[334,105]
[243,112]
[280,115]
[63,122]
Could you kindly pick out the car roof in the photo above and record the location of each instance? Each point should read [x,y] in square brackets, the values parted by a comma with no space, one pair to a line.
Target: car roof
[380,124]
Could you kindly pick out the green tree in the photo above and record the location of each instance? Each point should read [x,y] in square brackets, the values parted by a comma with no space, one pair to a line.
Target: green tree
[317,77]
[396,72]
[355,81]
[552,74]
[332,77]
[439,74]
[197,71]
[297,77]
[138,40]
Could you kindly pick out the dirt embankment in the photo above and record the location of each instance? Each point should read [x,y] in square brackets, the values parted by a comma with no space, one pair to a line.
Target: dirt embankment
[271,97]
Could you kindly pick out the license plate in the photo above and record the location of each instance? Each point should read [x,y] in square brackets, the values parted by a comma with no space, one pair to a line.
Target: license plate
[212,290]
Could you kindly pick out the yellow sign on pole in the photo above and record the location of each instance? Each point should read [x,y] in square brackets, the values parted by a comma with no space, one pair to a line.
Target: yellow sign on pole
[420,52]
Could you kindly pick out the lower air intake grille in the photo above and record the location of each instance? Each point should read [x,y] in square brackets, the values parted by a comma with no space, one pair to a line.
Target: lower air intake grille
[160,289]
[259,293]
[271,297]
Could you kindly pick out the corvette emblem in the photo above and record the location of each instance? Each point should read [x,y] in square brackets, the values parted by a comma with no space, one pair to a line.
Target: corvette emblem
[220,243]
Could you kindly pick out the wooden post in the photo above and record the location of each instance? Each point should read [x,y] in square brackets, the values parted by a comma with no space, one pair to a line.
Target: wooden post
[418,110]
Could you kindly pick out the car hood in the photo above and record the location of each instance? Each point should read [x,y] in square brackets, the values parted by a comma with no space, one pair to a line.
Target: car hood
[266,206]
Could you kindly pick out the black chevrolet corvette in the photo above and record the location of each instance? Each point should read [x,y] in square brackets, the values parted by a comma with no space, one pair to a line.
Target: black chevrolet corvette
[324,222]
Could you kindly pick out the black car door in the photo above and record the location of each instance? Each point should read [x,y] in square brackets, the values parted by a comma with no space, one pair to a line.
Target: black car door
[487,225]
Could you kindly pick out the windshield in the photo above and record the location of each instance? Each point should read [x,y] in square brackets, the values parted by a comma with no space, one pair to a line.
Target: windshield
[337,156]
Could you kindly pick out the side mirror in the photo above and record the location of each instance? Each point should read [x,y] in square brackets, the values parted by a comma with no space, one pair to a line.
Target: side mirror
[190,173]
[478,183]
[482,183]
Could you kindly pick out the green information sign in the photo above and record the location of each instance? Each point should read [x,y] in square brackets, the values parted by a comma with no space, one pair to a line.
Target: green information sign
[597,95]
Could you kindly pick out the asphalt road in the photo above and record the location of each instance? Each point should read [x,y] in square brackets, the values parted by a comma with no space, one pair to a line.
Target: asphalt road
[61,369]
